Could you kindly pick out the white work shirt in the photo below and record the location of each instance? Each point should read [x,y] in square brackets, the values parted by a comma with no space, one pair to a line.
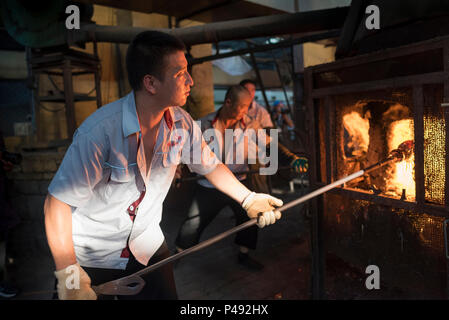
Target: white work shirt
[258,116]
[103,173]
[215,140]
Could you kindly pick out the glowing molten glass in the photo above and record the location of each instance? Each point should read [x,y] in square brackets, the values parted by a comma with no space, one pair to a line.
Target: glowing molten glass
[402,176]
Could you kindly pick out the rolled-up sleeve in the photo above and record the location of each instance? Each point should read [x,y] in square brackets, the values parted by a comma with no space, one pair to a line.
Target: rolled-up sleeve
[79,172]
[201,159]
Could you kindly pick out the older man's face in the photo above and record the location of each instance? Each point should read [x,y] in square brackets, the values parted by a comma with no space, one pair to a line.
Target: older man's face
[240,106]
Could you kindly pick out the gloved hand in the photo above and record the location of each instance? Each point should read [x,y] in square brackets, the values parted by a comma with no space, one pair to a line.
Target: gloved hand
[68,286]
[267,218]
[261,206]
[299,164]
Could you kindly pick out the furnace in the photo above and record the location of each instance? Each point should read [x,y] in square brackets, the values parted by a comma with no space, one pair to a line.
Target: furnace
[395,217]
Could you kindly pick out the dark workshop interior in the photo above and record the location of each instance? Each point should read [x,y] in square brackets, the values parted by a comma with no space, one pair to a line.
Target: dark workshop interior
[348,94]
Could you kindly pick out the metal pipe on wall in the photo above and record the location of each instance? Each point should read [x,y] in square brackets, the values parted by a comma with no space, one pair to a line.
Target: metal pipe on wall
[289,23]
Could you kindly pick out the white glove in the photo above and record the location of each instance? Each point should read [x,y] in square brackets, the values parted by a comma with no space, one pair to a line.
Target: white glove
[261,206]
[267,218]
[74,284]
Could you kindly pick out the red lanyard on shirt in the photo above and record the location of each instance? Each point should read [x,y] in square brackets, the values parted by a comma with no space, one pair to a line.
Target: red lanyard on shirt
[132,209]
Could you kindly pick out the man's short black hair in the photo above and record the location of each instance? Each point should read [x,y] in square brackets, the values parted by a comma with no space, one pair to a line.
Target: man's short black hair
[246,81]
[146,55]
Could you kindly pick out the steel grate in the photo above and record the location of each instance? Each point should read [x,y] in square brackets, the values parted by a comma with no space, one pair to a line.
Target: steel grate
[434,144]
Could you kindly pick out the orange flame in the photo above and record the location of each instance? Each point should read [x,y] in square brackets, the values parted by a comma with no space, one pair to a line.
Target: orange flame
[358,130]
[403,174]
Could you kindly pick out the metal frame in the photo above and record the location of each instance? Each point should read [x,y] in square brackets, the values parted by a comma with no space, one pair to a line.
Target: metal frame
[65,60]
[260,48]
[258,76]
[415,82]
[278,71]
[317,261]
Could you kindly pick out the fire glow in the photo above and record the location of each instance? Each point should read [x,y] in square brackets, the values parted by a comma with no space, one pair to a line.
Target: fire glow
[358,130]
[399,177]
[402,176]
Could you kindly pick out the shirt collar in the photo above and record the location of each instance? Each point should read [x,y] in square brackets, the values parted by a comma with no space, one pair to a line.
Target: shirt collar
[130,121]
[215,119]
[171,116]
[252,105]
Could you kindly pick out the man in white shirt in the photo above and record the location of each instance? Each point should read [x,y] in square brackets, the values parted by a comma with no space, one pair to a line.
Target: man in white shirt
[258,115]
[208,201]
[104,205]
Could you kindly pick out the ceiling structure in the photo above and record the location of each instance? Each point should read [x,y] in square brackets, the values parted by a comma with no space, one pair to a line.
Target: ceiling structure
[200,10]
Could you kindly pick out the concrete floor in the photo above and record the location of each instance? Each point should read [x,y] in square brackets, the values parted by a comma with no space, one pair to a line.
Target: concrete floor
[215,274]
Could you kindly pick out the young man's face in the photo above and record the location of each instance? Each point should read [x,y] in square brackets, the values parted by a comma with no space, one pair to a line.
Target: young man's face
[175,88]
[252,89]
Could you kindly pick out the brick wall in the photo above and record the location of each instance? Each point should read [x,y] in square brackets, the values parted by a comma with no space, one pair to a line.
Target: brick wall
[30,180]
[28,185]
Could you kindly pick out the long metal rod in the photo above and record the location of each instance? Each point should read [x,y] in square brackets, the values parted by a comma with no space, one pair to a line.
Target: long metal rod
[259,78]
[278,71]
[120,286]
[197,247]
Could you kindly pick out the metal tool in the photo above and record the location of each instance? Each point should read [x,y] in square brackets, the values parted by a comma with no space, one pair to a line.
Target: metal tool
[132,284]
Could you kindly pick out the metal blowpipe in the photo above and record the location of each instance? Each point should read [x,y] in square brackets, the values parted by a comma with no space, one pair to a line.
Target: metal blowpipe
[133,284]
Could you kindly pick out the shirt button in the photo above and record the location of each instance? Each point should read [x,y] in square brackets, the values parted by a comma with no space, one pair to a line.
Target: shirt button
[131,207]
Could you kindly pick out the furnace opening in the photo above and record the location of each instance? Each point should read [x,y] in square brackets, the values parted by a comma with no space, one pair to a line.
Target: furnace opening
[371,130]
